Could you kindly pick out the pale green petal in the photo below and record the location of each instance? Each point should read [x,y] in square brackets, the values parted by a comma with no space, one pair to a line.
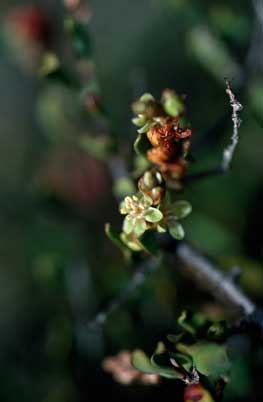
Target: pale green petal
[139,227]
[123,209]
[127,202]
[128,224]
[153,215]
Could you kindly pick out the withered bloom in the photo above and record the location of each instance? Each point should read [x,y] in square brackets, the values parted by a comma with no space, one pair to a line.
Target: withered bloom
[170,144]
[123,372]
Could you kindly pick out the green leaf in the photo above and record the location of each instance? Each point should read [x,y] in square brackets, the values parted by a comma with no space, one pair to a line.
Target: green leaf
[182,360]
[181,209]
[142,362]
[173,105]
[185,325]
[141,145]
[50,64]
[209,358]
[176,230]
[145,128]
[164,367]
[175,338]
[146,97]
[139,121]
[114,236]
[95,146]
[153,215]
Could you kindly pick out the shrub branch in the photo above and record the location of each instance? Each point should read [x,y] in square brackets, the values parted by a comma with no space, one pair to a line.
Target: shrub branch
[229,151]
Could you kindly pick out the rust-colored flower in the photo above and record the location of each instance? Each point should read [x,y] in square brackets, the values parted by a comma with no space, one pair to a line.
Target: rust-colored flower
[159,155]
[123,372]
[182,133]
[160,134]
[170,144]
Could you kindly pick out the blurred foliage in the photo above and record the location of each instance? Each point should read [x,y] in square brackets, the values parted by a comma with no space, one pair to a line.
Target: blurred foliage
[57,267]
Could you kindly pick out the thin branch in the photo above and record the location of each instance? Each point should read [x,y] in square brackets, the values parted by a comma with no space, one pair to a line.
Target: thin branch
[209,278]
[229,151]
[258,8]
[135,282]
[200,270]
[236,108]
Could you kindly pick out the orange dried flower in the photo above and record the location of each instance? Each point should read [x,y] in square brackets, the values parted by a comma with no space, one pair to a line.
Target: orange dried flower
[161,134]
[182,133]
[170,143]
[159,155]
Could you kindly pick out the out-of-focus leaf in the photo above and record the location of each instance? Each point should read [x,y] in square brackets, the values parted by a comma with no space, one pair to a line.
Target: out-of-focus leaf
[164,366]
[209,358]
[99,147]
[182,321]
[182,360]
[123,186]
[142,362]
[176,230]
[145,128]
[255,98]
[172,103]
[213,54]
[181,209]
[147,97]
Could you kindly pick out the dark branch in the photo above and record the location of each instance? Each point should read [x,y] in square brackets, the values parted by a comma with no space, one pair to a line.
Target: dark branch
[135,282]
[200,270]
[208,277]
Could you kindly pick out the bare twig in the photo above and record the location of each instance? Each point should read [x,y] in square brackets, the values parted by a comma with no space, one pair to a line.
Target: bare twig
[229,151]
[258,8]
[208,277]
[135,282]
[200,270]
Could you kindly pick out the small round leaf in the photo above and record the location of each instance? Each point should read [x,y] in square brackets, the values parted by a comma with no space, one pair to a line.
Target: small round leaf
[153,215]
[176,230]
